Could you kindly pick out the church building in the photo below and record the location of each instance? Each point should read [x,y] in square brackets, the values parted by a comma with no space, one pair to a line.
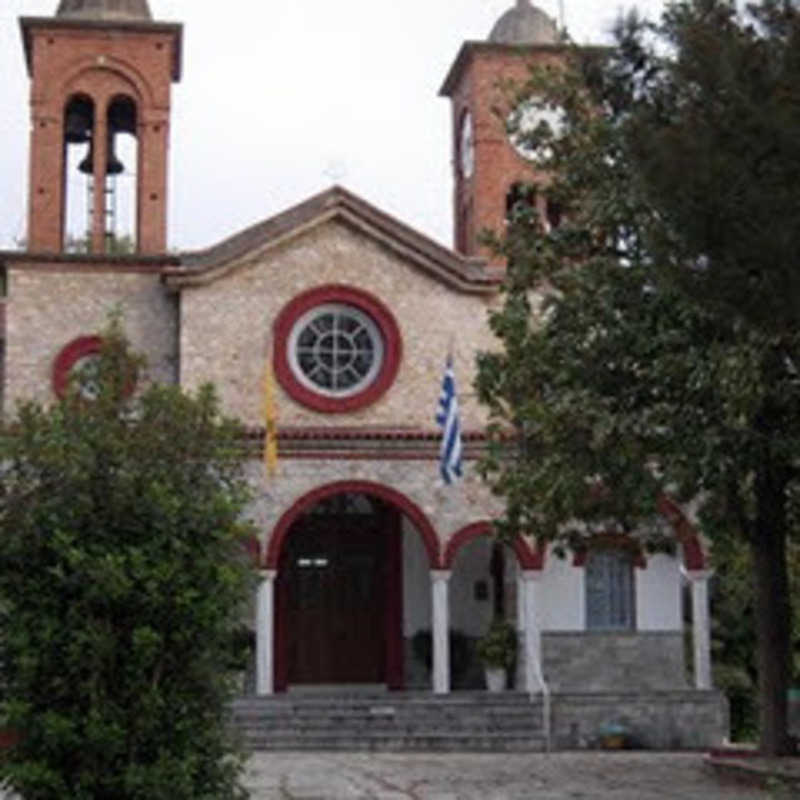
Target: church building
[373,572]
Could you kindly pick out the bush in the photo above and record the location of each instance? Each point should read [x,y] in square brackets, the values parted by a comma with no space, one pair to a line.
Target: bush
[122,580]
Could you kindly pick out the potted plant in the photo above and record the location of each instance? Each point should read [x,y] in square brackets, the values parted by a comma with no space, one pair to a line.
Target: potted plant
[497,650]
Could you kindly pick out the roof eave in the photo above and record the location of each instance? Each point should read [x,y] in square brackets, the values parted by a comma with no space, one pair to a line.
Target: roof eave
[175,29]
[468,275]
[469,49]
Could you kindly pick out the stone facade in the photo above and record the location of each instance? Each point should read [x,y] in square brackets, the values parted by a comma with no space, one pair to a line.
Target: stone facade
[48,309]
[448,509]
[687,720]
[593,661]
[227,327]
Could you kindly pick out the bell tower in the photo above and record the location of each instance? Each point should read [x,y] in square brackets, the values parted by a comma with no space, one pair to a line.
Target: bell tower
[99,69]
[489,167]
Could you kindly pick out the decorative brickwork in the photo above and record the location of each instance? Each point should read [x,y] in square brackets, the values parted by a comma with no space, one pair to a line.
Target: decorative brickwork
[99,61]
[476,84]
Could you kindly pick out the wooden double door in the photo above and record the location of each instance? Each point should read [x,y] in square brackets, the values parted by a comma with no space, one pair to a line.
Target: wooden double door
[339,601]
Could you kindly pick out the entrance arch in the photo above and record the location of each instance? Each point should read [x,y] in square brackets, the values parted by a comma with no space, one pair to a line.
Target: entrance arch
[391,496]
[339,557]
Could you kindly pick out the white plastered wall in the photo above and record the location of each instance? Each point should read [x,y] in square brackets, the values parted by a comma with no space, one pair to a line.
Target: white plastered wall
[416,582]
[658,594]
[562,606]
[467,613]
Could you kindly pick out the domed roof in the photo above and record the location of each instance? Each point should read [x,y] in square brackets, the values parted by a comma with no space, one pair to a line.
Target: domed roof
[107,10]
[524,24]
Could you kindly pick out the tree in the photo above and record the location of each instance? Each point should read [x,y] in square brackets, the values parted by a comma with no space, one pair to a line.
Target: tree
[122,581]
[669,358]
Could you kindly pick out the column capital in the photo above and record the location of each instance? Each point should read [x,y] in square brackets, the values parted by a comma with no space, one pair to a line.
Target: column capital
[441,574]
[267,575]
[698,575]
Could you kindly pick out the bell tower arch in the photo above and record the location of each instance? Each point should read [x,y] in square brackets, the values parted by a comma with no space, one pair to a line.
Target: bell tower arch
[100,70]
[488,169]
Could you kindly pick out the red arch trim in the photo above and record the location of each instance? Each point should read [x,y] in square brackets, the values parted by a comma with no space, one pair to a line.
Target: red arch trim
[307,501]
[69,356]
[613,540]
[527,558]
[685,532]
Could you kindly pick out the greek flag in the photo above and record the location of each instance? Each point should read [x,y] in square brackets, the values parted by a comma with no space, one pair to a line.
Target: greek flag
[447,419]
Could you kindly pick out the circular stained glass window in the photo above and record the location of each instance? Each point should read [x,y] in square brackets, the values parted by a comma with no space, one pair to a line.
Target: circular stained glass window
[335,349]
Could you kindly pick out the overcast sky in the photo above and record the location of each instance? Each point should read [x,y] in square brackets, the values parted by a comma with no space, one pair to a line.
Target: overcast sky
[281,99]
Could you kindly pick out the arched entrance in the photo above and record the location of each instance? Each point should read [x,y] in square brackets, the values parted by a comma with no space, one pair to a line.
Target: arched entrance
[339,590]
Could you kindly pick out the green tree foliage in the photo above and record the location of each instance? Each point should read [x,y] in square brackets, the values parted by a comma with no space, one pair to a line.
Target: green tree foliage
[669,358]
[122,578]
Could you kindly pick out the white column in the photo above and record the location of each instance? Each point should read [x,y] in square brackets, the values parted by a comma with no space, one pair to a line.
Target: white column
[533,635]
[265,632]
[441,626]
[701,627]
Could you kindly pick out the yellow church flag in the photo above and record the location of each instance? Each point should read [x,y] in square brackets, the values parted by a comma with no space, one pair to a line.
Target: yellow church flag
[270,421]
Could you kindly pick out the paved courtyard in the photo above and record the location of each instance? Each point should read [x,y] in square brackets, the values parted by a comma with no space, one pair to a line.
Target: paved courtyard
[464,776]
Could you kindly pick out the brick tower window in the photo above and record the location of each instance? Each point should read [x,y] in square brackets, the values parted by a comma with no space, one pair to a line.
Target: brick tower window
[79,126]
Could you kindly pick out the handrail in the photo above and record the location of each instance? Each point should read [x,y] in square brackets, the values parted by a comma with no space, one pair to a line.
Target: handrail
[546,703]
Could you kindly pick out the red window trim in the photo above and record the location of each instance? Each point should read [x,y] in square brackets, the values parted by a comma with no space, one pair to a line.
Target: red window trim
[611,541]
[346,295]
[69,356]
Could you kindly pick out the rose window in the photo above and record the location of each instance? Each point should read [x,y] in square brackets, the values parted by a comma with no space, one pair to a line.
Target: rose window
[335,349]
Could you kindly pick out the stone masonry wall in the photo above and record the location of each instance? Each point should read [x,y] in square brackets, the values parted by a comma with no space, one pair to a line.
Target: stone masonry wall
[592,661]
[448,509]
[226,328]
[687,720]
[47,310]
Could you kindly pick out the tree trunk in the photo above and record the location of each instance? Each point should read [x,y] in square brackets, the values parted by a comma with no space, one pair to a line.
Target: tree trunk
[773,616]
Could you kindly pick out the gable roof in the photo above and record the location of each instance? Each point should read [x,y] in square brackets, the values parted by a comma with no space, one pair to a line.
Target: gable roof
[463,274]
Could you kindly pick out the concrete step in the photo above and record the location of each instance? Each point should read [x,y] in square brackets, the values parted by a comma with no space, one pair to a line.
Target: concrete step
[390,722]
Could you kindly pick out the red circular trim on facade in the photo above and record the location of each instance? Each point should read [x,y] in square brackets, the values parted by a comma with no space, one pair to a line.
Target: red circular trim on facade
[308,501]
[527,558]
[347,295]
[69,356]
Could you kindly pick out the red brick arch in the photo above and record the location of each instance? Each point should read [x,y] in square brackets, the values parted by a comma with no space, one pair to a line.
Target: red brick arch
[88,73]
[527,558]
[386,493]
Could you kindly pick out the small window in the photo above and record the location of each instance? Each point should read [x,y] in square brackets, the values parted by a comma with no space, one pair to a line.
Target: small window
[609,590]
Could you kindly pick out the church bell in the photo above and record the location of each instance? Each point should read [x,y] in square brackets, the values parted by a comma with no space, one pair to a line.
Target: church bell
[113,165]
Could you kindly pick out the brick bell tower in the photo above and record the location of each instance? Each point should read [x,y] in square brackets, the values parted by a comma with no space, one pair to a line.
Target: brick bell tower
[99,68]
[489,166]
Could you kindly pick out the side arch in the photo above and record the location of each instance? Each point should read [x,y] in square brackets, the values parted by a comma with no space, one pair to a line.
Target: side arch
[694,557]
[309,500]
[527,557]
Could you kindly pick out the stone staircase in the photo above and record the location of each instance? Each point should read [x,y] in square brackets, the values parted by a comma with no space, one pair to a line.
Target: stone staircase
[396,721]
